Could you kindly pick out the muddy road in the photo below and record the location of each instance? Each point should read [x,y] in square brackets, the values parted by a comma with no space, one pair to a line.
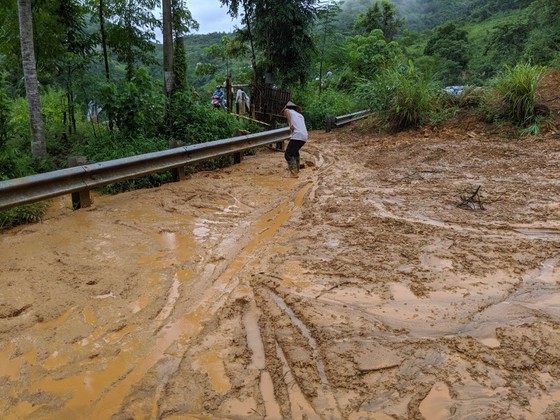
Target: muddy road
[360,290]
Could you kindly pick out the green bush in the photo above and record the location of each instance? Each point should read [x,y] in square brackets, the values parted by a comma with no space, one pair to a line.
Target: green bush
[14,164]
[60,137]
[137,107]
[194,123]
[29,213]
[331,102]
[401,97]
[514,94]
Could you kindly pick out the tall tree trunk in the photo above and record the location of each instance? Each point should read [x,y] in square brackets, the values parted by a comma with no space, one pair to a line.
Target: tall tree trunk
[70,100]
[104,47]
[167,47]
[38,143]
[129,54]
[104,39]
[130,34]
[321,63]
[253,55]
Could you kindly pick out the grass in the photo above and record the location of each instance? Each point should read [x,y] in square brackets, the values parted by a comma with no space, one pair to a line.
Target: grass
[516,93]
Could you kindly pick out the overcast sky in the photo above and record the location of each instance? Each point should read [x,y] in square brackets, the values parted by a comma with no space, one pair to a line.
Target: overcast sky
[211,16]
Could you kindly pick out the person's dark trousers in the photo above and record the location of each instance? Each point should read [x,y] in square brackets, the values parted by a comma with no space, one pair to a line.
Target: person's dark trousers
[292,153]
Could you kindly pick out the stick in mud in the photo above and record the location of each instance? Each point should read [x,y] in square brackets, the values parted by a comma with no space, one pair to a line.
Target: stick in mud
[471,202]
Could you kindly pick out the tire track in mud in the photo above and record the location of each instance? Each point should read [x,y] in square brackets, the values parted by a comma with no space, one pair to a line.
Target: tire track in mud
[282,393]
[191,323]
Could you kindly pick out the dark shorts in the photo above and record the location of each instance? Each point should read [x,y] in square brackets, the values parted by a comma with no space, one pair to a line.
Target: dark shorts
[292,150]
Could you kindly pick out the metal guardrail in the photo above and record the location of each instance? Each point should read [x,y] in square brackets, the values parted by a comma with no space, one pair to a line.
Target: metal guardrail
[332,121]
[79,180]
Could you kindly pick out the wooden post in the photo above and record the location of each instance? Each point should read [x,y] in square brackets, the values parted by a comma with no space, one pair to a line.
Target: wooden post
[80,199]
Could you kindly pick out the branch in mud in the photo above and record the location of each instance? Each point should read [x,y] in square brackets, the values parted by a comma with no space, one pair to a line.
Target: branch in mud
[332,288]
[473,202]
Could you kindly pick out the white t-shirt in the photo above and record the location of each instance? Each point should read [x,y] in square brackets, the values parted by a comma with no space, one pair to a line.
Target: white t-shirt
[298,122]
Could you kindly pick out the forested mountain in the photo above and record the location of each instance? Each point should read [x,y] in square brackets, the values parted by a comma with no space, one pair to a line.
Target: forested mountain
[427,14]
[421,15]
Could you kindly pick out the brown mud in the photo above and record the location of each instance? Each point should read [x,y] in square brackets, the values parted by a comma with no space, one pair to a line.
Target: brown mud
[360,290]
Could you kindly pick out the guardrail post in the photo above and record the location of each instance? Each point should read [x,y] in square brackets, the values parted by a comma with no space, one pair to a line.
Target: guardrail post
[329,122]
[178,173]
[280,146]
[80,199]
[237,157]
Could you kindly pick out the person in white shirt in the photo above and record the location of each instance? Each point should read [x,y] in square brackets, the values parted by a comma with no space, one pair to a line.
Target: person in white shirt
[299,136]
[242,101]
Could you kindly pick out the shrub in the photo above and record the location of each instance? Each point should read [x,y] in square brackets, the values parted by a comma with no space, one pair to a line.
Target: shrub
[116,145]
[514,94]
[401,97]
[137,106]
[29,213]
[332,101]
[194,123]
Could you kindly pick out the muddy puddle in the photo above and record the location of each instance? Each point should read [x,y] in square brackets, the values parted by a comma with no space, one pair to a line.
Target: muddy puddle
[358,290]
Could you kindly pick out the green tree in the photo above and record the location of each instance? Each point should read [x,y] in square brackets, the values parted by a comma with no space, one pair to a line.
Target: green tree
[5,102]
[449,42]
[368,54]
[77,51]
[10,49]
[176,23]
[349,13]
[384,18]
[182,24]
[137,106]
[543,43]
[131,31]
[282,32]
[228,49]
[507,42]
[180,66]
[326,19]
